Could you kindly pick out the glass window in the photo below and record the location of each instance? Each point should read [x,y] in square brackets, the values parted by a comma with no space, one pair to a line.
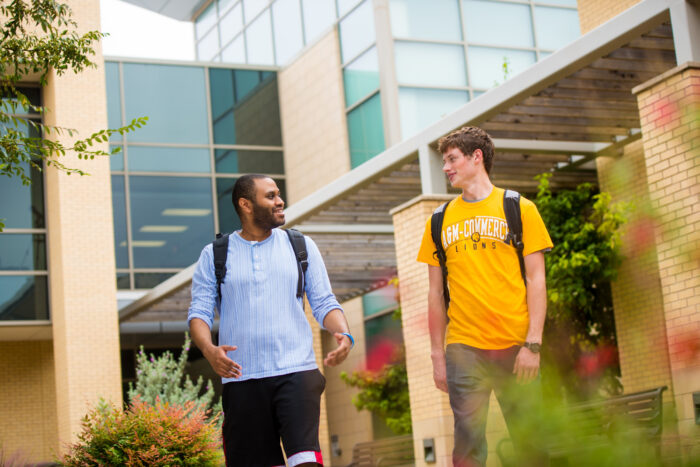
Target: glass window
[346,5]
[252,8]
[231,24]
[259,41]
[486,65]
[357,31]
[116,161]
[154,159]
[148,280]
[23,298]
[494,23]
[319,15]
[235,161]
[22,206]
[559,2]
[205,21]
[286,20]
[556,27]
[121,253]
[422,107]
[208,46]
[22,252]
[234,52]
[224,5]
[171,218]
[418,19]
[12,104]
[416,63]
[123,281]
[361,77]
[174,99]
[365,131]
[245,107]
[114,102]
[228,218]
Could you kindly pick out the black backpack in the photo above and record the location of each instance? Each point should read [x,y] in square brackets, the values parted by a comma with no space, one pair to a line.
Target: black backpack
[511,206]
[297,240]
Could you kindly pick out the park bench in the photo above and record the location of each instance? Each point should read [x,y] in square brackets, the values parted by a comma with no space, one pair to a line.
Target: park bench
[394,451]
[601,423]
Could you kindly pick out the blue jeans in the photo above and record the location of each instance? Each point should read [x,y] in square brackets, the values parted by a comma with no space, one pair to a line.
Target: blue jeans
[471,376]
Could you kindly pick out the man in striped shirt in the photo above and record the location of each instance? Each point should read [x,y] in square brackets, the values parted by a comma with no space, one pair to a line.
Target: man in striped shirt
[272,385]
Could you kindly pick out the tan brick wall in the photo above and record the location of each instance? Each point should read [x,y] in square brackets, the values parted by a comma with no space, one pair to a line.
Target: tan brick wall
[344,420]
[593,13]
[637,300]
[312,107]
[430,408]
[669,109]
[81,248]
[28,400]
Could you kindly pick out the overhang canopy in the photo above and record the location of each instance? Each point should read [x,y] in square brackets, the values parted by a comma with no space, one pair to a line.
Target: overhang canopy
[182,10]
[557,116]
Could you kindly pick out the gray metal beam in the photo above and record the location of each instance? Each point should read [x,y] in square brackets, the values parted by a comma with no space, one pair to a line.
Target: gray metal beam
[685,22]
[432,178]
[371,229]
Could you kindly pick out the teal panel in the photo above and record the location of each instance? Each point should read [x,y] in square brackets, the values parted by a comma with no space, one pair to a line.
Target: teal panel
[379,300]
[366,131]
[361,77]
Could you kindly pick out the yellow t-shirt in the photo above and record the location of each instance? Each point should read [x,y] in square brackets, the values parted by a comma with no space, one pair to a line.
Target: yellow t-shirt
[488,306]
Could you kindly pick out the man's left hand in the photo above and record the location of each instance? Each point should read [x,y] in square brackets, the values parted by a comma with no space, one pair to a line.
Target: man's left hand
[337,356]
[527,365]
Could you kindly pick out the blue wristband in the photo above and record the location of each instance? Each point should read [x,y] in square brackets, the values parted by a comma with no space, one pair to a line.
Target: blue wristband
[352,340]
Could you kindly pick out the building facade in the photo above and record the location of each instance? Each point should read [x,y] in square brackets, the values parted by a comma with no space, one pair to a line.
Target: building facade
[341,103]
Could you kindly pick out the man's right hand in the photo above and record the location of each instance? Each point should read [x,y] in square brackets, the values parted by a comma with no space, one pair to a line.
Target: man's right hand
[440,372]
[219,361]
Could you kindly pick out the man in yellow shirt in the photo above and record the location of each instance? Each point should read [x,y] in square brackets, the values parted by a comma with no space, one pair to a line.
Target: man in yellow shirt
[490,337]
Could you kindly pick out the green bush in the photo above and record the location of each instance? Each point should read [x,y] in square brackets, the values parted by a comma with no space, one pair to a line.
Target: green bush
[164,379]
[580,340]
[161,434]
[384,393]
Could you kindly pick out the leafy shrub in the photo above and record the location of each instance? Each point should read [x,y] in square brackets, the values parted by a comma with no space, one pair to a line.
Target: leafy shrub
[384,393]
[580,328]
[160,434]
[164,379]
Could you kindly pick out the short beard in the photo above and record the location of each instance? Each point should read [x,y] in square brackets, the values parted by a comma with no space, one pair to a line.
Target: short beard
[264,219]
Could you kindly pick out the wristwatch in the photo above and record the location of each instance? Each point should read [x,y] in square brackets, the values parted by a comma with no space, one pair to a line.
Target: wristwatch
[533,347]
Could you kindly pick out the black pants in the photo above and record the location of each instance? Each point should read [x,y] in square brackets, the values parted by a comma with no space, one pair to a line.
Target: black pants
[258,412]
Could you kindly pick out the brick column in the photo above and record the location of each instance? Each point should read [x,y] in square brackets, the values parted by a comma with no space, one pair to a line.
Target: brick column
[430,408]
[639,315]
[669,107]
[82,284]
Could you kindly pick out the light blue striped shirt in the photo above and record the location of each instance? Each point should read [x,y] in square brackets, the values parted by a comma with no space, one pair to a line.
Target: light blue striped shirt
[261,313]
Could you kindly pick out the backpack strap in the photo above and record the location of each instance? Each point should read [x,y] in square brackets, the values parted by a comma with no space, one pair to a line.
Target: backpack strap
[220,246]
[511,206]
[298,242]
[436,231]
